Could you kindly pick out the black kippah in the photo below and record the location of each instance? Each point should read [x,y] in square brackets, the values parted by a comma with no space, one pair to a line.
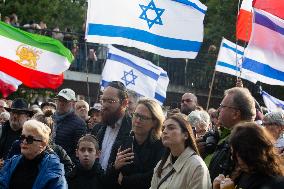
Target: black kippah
[118,85]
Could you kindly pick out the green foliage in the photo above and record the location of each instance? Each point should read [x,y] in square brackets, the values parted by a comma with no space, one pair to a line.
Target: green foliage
[62,13]
[220,21]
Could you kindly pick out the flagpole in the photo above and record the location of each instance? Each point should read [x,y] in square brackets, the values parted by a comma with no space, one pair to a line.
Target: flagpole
[213,79]
[237,65]
[210,91]
[86,58]
[185,71]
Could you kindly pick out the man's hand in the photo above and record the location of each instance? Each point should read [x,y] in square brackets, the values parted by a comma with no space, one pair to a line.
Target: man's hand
[239,83]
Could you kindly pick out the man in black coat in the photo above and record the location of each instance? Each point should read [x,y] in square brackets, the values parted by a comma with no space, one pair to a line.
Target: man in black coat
[68,127]
[12,129]
[116,122]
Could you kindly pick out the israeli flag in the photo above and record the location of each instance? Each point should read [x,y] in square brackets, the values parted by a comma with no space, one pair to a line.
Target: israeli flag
[273,104]
[170,28]
[136,73]
[230,61]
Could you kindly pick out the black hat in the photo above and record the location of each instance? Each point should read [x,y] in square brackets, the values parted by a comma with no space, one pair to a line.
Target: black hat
[48,104]
[20,105]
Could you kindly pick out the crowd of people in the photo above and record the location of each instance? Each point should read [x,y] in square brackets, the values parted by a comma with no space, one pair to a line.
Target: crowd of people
[126,141]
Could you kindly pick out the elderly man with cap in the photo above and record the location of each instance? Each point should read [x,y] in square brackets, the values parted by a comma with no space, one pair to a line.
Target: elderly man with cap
[95,118]
[274,123]
[12,129]
[48,108]
[68,127]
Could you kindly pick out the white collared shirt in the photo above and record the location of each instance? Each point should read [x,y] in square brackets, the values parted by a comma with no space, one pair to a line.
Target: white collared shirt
[108,141]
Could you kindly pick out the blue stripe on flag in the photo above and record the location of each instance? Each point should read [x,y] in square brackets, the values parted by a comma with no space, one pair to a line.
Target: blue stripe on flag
[159,97]
[164,74]
[224,64]
[266,22]
[262,69]
[273,99]
[233,49]
[144,36]
[186,2]
[128,62]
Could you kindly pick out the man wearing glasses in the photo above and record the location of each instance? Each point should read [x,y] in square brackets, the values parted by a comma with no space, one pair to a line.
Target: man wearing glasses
[188,103]
[116,124]
[237,105]
[68,127]
[12,129]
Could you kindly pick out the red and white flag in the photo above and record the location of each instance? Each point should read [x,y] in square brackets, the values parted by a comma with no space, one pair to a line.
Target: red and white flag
[8,84]
[244,21]
[275,7]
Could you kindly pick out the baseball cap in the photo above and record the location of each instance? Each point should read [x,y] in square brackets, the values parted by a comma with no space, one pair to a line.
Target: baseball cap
[68,94]
[97,106]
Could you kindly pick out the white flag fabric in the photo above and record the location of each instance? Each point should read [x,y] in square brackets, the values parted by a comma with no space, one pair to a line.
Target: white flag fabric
[170,28]
[137,74]
[273,104]
[264,54]
[230,59]
[8,84]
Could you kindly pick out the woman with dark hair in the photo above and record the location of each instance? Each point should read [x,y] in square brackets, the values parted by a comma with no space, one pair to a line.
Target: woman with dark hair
[256,161]
[181,166]
[139,154]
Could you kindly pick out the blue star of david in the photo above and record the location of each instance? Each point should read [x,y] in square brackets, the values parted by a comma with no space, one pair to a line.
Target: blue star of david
[130,79]
[158,11]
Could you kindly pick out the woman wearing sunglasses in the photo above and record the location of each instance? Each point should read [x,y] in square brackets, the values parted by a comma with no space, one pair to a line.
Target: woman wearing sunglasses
[181,166]
[139,154]
[35,168]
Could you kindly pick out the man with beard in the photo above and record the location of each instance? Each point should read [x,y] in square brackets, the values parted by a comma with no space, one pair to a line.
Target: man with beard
[12,129]
[188,103]
[116,124]
[68,127]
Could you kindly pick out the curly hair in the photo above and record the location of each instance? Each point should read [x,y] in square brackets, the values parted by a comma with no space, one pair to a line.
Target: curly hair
[190,142]
[254,146]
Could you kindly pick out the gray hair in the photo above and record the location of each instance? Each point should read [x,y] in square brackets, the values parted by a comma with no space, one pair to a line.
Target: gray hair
[274,118]
[199,116]
[5,115]
[244,101]
[133,94]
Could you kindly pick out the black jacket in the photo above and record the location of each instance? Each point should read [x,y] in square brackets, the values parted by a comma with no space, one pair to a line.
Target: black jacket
[68,131]
[87,179]
[7,138]
[138,175]
[258,181]
[221,162]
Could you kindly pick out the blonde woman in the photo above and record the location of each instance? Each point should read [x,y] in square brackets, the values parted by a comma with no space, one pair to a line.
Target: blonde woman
[138,155]
[35,168]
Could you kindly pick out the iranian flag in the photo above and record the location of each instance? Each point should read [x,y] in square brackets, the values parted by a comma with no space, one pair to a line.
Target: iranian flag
[36,61]
[244,21]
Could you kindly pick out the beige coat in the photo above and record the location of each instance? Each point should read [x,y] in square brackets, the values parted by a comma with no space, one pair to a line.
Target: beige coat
[190,173]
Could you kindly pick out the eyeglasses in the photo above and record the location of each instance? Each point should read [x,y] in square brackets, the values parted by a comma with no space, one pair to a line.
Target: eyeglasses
[141,117]
[223,106]
[109,101]
[29,139]
[186,100]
